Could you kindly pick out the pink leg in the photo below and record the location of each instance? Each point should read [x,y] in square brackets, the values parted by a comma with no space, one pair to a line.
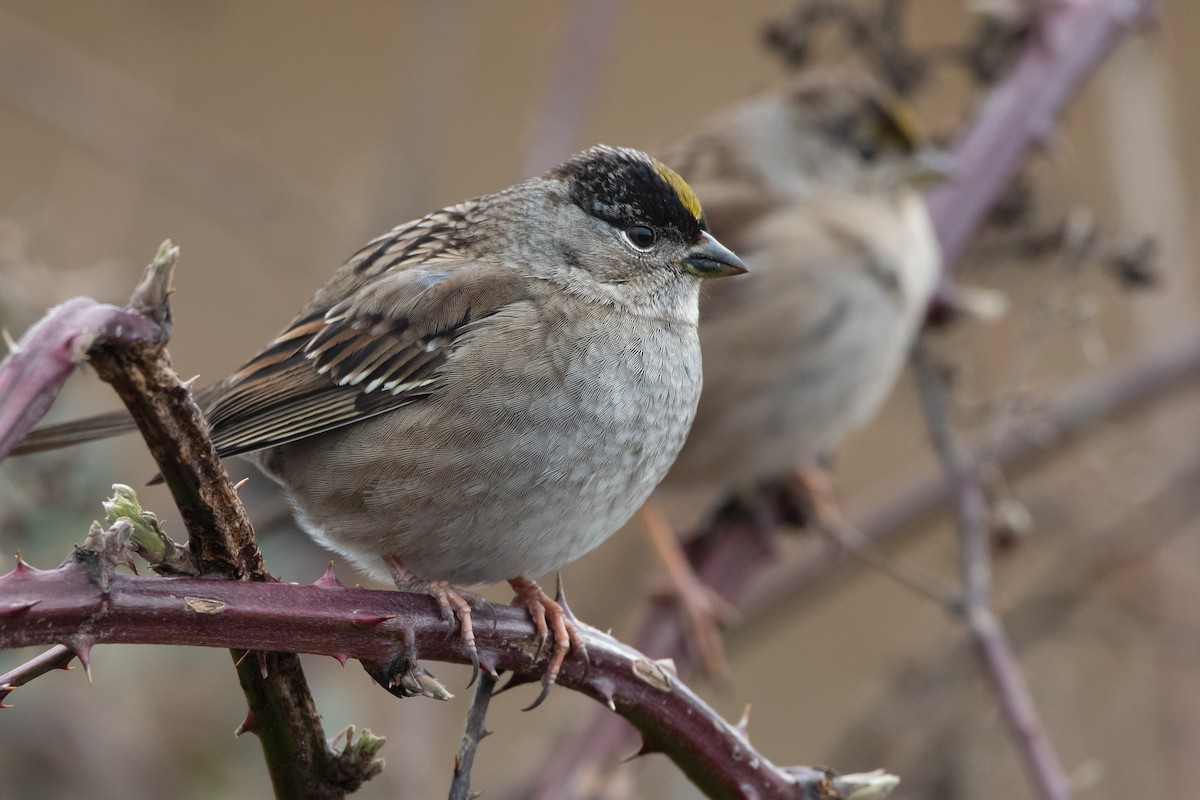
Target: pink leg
[454,603]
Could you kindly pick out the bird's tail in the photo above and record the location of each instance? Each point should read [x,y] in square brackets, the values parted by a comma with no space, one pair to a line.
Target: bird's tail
[78,431]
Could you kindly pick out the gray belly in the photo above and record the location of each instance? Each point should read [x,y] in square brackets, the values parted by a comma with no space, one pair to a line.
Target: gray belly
[519,473]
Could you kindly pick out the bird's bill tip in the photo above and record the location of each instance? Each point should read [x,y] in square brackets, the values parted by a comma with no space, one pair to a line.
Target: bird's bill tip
[708,258]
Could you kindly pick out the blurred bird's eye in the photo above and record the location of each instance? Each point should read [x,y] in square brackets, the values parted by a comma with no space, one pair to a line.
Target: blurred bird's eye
[640,236]
[867,150]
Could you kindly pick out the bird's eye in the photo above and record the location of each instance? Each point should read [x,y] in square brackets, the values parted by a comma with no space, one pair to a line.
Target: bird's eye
[867,150]
[640,236]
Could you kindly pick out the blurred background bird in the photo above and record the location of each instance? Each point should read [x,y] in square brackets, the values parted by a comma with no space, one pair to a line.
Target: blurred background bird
[817,184]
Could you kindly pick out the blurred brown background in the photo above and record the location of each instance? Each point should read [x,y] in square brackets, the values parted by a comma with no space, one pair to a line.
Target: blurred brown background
[269,140]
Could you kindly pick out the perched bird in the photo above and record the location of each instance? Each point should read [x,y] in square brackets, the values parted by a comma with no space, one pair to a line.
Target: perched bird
[488,392]
[816,185]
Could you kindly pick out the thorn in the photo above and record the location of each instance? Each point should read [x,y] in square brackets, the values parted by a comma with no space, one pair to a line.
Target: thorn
[514,680]
[241,658]
[262,663]
[341,658]
[489,667]
[646,749]
[18,608]
[367,618]
[83,651]
[237,487]
[483,734]
[249,725]
[605,689]
[13,347]
[329,580]
[190,382]
[22,567]
[743,724]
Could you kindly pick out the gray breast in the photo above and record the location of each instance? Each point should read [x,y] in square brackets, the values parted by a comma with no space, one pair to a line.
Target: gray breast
[519,464]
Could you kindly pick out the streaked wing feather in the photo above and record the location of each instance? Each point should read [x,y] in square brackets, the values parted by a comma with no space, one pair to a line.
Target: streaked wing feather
[375,352]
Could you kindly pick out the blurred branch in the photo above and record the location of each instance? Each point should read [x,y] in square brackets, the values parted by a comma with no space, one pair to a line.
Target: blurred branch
[574,79]
[126,348]
[39,364]
[1058,599]
[71,604]
[991,642]
[1068,413]
[1068,43]
[873,30]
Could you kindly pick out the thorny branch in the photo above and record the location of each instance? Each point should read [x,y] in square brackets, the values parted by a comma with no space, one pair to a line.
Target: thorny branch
[41,607]
[999,661]
[1068,43]
[473,733]
[126,348]
[57,657]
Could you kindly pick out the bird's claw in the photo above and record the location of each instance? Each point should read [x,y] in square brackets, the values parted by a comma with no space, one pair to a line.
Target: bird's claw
[555,625]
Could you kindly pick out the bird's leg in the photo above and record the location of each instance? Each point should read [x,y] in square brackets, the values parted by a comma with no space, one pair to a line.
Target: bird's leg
[704,611]
[548,616]
[813,488]
[454,603]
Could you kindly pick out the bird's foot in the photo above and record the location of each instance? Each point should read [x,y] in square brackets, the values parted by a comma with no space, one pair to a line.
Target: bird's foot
[456,605]
[550,616]
[705,614]
[811,489]
[703,611]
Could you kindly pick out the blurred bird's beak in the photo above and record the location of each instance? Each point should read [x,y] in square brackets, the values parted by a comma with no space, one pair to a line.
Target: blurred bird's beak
[928,167]
[708,258]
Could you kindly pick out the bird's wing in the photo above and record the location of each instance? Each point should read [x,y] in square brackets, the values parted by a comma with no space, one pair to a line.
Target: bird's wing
[377,350]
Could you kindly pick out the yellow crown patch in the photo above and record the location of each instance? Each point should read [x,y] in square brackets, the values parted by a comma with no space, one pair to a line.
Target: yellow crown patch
[687,197]
[901,121]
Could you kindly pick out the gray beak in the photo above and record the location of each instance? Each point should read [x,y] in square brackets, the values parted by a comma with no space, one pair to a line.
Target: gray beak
[928,167]
[708,258]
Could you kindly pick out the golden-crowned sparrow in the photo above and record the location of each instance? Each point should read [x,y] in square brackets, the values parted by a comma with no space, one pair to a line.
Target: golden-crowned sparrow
[816,185]
[490,391]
